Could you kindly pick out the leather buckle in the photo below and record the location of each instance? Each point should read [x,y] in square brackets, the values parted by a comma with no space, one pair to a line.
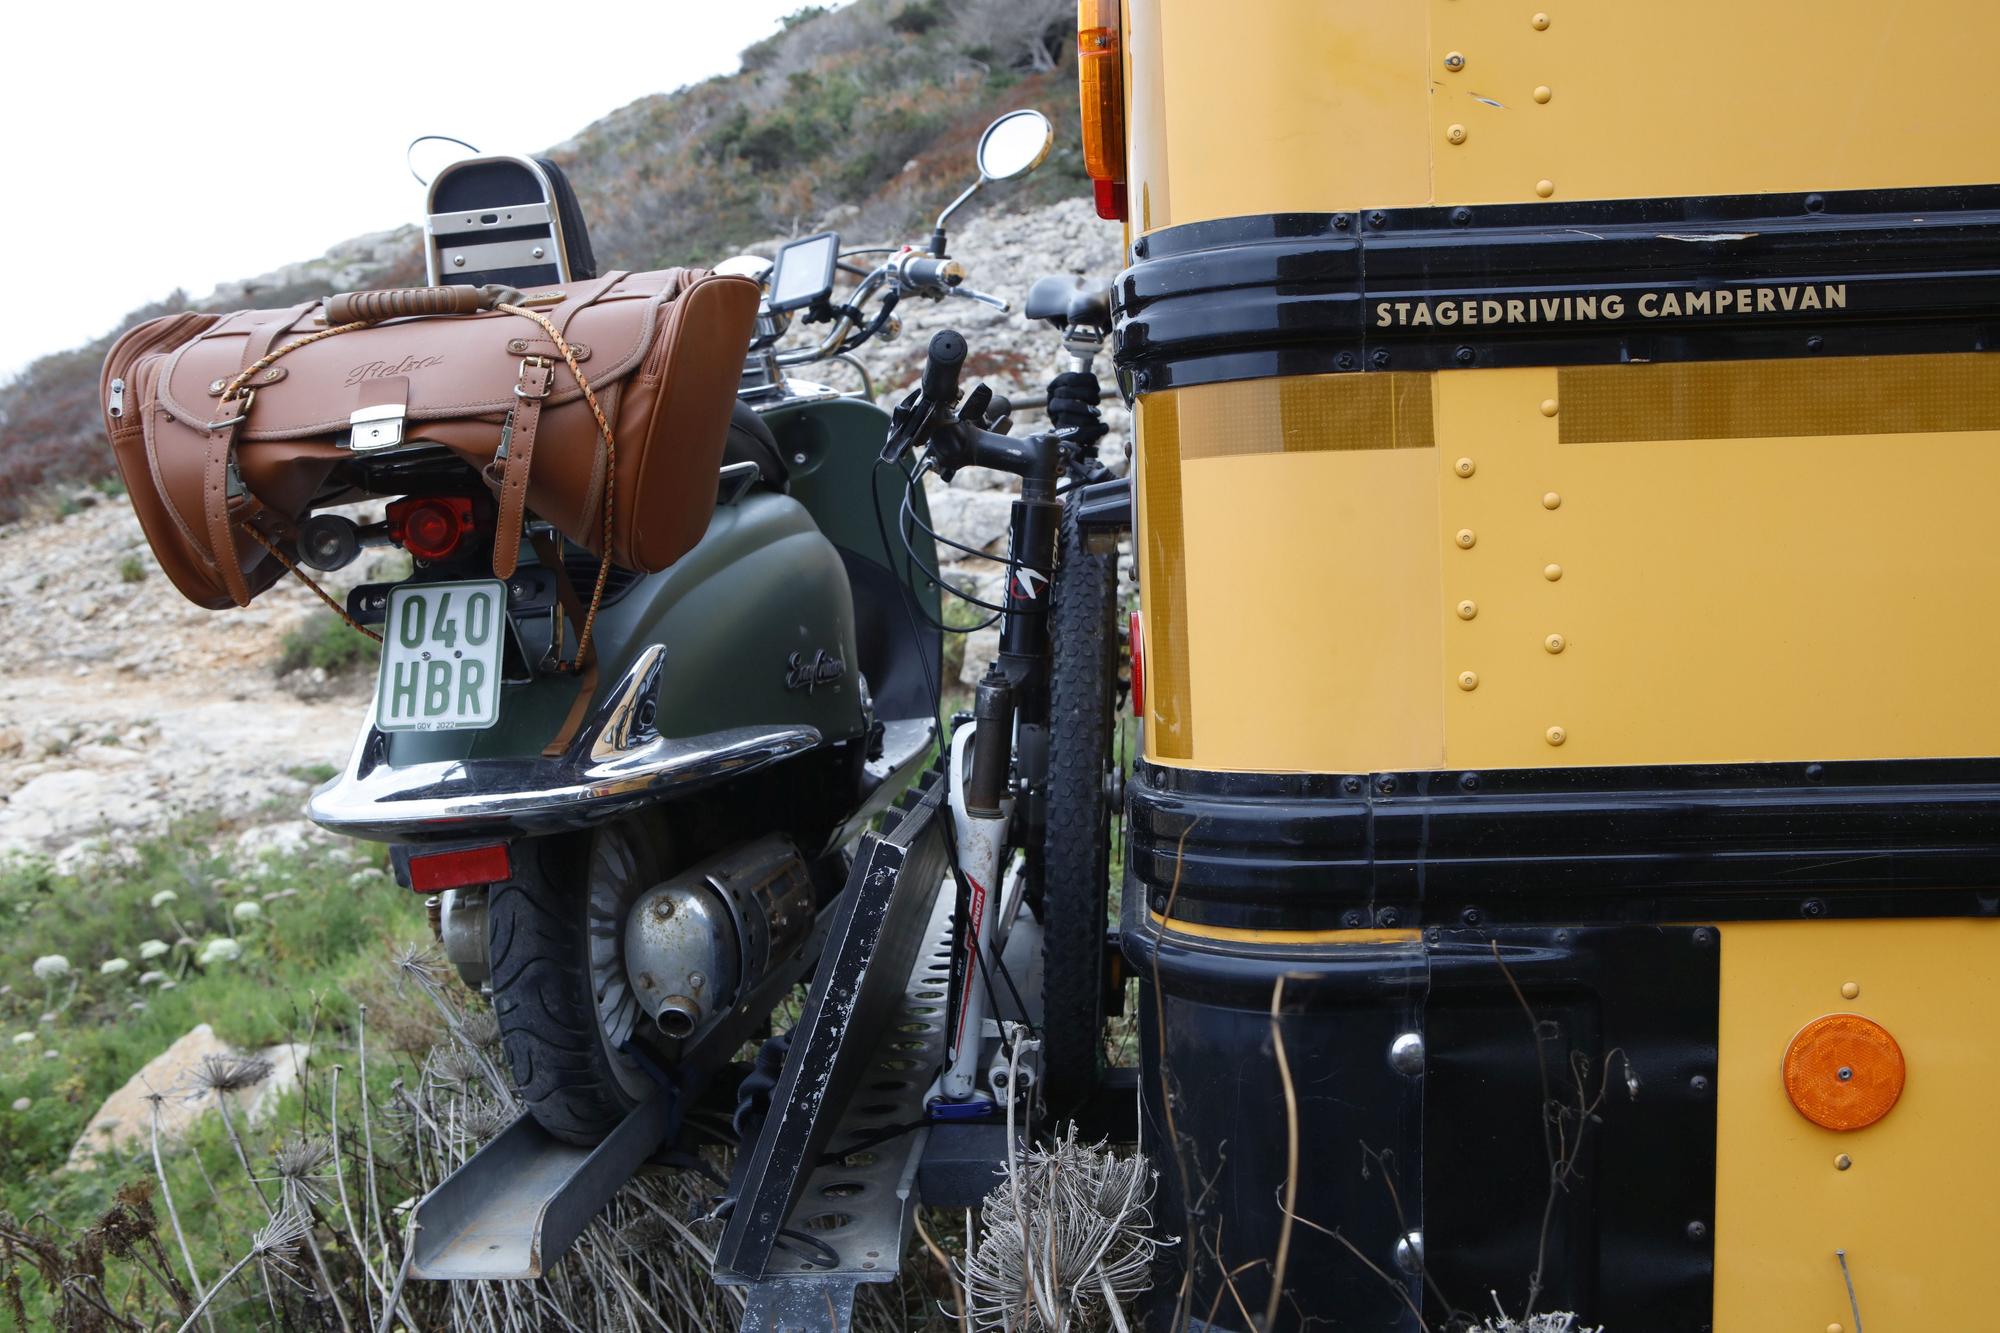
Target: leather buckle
[537,377]
[242,413]
[376,427]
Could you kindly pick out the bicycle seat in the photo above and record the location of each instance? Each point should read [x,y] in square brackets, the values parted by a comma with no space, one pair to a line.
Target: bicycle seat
[1065,299]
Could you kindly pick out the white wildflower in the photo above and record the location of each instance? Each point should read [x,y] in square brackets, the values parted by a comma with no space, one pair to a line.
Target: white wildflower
[151,949]
[246,911]
[169,984]
[23,1103]
[219,950]
[151,978]
[165,896]
[24,1038]
[51,967]
[112,967]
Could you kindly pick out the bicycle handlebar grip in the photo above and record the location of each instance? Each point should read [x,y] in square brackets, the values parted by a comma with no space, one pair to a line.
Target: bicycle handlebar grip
[404,302]
[941,367]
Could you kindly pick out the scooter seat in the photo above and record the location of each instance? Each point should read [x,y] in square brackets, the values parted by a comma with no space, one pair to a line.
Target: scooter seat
[751,441]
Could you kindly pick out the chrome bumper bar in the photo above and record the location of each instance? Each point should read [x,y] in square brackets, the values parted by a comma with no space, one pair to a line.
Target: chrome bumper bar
[615,764]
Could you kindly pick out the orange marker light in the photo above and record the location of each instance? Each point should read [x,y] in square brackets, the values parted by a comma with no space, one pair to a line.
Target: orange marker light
[1844,1071]
[1100,77]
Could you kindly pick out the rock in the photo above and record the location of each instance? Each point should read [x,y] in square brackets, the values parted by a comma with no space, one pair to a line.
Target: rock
[974,518]
[286,838]
[981,647]
[126,1117]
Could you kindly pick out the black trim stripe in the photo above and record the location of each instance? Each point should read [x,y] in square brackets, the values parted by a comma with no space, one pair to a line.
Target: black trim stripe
[1849,273]
[1271,851]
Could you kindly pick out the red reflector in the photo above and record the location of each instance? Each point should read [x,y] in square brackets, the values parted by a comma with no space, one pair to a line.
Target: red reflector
[433,528]
[454,870]
[1110,200]
[1138,667]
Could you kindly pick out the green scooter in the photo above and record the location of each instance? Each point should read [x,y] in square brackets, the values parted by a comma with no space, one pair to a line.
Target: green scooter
[638,867]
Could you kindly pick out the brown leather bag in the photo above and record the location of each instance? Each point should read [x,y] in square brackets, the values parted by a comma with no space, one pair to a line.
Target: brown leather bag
[602,405]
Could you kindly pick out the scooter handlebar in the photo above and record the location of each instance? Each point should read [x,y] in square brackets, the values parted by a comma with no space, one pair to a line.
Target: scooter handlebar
[923,273]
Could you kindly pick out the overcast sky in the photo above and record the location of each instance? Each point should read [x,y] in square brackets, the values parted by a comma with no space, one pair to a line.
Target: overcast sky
[189,142]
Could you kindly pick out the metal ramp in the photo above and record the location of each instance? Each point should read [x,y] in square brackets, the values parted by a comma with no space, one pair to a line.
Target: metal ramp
[858,1201]
[519,1203]
[806,1227]
[824,1195]
[516,1206]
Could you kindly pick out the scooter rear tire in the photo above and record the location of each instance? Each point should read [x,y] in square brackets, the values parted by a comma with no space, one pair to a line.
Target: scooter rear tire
[565,1071]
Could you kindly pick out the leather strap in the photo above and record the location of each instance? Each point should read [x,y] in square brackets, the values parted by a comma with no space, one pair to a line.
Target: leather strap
[220,509]
[549,552]
[215,505]
[537,374]
[610,459]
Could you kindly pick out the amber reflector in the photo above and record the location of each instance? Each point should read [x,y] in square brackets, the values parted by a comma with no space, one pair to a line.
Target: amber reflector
[1100,77]
[1843,1071]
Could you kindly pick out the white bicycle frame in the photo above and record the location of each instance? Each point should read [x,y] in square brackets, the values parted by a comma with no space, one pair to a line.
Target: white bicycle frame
[982,842]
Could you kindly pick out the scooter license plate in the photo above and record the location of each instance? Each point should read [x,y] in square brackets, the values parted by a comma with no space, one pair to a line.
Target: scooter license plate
[441,657]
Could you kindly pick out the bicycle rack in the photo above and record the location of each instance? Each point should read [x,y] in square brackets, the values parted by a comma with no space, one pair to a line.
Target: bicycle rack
[860,1061]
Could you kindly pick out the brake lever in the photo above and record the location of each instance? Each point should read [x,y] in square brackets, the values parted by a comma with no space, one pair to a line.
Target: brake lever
[983,299]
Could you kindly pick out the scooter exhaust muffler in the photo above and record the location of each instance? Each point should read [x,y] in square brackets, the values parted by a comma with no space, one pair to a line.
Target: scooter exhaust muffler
[695,942]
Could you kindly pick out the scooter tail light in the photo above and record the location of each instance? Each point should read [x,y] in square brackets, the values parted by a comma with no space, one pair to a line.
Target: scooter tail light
[457,869]
[431,528]
[1100,77]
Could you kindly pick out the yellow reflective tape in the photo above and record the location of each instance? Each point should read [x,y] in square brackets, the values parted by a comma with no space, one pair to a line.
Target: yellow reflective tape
[1241,935]
[1735,400]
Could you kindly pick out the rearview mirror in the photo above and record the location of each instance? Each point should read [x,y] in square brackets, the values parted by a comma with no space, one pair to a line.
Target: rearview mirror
[1013,144]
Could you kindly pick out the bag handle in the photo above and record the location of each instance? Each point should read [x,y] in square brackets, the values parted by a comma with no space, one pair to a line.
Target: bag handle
[410,302]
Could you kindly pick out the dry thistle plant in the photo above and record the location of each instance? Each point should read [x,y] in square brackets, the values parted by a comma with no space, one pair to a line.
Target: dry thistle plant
[335,1191]
[221,1074]
[1065,1242]
[1539,1323]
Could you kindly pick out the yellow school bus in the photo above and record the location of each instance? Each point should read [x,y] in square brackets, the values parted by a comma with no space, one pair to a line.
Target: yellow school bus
[1567,446]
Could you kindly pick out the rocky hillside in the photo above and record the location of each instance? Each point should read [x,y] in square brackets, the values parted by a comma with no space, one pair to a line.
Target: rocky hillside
[862,117]
[129,706]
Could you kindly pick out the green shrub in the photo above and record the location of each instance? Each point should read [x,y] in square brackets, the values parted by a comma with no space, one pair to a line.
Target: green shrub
[916,19]
[327,642]
[131,569]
